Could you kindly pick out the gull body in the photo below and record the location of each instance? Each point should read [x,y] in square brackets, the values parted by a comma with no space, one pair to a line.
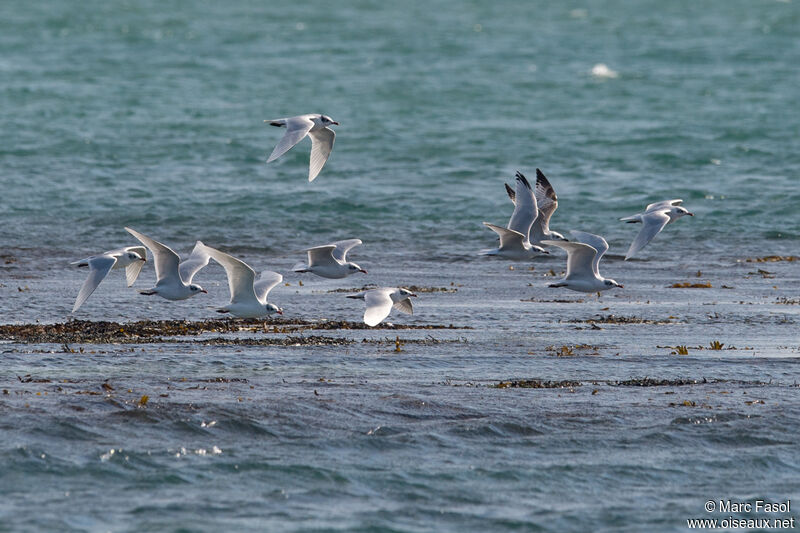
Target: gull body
[583,261]
[248,295]
[514,243]
[546,204]
[655,217]
[330,261]
[314,126]
[131,258]
[380,301]
[173,276]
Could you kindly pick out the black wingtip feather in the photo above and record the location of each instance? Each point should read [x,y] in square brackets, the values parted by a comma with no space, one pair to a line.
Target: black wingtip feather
[511,192]
[523,179]
[541,181]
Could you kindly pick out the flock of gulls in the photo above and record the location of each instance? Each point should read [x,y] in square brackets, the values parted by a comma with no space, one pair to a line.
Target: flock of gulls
[526,236]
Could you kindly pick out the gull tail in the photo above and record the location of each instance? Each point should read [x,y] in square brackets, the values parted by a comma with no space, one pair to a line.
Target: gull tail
[557,285]
[148,292]
[300,267]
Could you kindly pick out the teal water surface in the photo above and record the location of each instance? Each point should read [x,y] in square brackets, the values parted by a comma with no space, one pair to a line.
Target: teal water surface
[150,115]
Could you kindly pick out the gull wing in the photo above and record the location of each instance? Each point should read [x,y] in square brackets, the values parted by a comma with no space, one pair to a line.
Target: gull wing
[194,263]
[508,238]
[296,129]
[342,247]
[99,266]
[511,193]
[321,255]
[546,200]
[662,205]
[525,210]
[580,258]
[652,223]
[165,259]
[596,242]
[132,270]
[321,146]
[379,305]
[265,283]
[241,277]
[404,306]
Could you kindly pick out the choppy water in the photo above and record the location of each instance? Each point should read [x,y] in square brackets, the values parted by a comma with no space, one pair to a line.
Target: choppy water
[149,114]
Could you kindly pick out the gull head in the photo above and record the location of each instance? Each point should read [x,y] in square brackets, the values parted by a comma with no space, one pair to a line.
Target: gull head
[327,121]
[611,283]
[677,212]
[133,256]
[407,293]
[197,289]
[353,268]
[271,309]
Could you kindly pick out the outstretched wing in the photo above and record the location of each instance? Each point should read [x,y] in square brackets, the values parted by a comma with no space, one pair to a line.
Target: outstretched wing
[525,210]
[580,258]
[342,247]
[321,255]
[240,276]
[165,259]
[509,239]
[596,242]
[511,193]
[321,146]
[546,201]
[404,306]
[265,283]
[296,129]
[133,269]
[379,305]
[652,223]
[100,266]
[196,261]
[661,205]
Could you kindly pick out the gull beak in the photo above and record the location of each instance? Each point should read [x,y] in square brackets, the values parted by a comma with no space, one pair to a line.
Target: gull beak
[279,311]
[362,270]
[620,285]
[690,214]
[412,295]
[203,290]
[335,123]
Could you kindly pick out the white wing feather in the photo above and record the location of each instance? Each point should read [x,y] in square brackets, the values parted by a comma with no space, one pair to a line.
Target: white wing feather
[194,263]
[100,266]
[132,271]
[580,258]
[321,146]
[662,205]
[525,209]
[296,129]
[596,242]
[379,305]
[240,276]
[342,247]
[165,259]
[652,223]
[509,239]
[321,255]
[265,283]
[404,306]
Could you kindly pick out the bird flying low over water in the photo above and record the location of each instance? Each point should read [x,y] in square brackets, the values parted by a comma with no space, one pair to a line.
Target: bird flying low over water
[131,258]
[583,261]
[546,204]
[173,276]
[514,243]
[248,296]
[381,300]
[654,218]
[330,261]
[316,127]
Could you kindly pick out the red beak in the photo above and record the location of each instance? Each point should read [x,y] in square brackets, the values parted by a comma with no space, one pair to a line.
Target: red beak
[334,122]
[362,270]
[203,290]
[280,312]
